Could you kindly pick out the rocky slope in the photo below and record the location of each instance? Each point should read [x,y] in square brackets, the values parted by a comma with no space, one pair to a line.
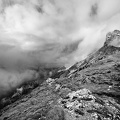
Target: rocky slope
[89,90]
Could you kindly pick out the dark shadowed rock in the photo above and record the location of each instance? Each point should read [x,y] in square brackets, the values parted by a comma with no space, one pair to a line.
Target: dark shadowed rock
[56,113]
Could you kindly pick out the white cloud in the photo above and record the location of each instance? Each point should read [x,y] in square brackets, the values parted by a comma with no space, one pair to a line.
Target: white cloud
[39,31]
[30,25]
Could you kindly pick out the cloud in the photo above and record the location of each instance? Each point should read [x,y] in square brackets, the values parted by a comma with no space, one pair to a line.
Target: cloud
[45,27]
[94,9]
[61,32]
[9,80]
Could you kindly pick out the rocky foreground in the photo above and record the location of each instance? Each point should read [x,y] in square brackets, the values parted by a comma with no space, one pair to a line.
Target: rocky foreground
[89,90]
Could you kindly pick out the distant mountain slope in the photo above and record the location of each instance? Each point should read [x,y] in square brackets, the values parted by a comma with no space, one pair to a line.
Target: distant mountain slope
[89,90]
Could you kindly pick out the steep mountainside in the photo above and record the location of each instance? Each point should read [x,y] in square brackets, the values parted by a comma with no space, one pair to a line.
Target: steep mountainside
[89,90]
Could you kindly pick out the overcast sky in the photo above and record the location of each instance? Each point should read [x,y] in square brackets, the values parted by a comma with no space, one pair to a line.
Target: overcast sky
[62,32]
[54,31]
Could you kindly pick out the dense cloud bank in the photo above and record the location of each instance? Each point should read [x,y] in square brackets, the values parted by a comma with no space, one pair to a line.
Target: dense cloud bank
[61,32]
[54,31]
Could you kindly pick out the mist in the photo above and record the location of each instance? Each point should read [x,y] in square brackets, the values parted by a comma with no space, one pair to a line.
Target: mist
[55,32]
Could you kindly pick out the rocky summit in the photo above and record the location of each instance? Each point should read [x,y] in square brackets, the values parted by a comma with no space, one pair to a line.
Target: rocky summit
[89,90]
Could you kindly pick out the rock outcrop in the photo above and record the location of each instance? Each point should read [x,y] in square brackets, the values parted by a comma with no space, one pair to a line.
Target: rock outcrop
[113,38]
[89,90]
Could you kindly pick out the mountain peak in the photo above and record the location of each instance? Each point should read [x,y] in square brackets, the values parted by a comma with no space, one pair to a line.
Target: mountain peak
[113,39]
[88,90]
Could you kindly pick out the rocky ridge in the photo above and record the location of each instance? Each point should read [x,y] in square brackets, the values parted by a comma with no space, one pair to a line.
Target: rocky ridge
[89,90]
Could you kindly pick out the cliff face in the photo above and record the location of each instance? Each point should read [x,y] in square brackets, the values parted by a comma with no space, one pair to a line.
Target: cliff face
[89,90]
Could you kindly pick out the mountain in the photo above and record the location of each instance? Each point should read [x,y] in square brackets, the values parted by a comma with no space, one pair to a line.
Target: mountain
[89,90]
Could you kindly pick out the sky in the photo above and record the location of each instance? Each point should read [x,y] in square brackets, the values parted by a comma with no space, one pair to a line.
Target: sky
[52,32]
